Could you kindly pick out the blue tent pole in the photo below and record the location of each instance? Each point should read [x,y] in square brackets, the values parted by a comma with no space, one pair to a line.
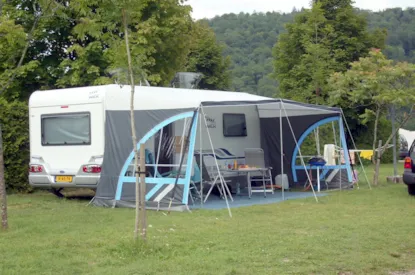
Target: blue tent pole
[182,159]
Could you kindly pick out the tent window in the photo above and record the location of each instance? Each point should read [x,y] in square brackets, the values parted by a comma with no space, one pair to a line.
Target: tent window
[234,125]
[66,129]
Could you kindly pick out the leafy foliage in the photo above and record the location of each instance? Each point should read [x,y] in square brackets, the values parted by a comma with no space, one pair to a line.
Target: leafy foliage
[401,31]
[249,38]
[159,31]
[12,41]
[205,56]
[320,41]
[248,41]
[374,83]
[15,128]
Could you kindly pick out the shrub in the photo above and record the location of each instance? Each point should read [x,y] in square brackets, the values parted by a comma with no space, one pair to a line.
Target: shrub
[15,130]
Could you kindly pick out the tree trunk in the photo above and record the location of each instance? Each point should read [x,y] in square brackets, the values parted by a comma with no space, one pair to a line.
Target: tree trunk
[3,195]
[133,132]
[375,134]
[378,156]
[395,168]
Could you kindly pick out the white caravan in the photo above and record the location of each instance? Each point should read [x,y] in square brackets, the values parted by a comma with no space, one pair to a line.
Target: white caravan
[66,137]
[67,129]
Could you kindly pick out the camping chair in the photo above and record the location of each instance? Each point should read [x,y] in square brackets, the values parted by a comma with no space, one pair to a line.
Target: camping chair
[150,168]
[254,157]
[209,179]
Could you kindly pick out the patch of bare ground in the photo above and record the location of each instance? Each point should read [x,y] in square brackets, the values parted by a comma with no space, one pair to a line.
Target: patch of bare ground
[411,272]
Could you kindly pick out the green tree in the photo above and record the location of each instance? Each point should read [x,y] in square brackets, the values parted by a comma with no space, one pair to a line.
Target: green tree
[320,41]
[205,56]
[375,83]
[40,34]
[12,42]
[159,34]
[15,127]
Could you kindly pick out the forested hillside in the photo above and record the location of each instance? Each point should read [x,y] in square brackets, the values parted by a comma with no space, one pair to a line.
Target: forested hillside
[249,39]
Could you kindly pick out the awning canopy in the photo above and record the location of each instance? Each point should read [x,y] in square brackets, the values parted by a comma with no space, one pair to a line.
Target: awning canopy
[157,107]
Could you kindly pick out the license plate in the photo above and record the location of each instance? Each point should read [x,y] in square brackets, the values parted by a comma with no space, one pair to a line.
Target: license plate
[63,179]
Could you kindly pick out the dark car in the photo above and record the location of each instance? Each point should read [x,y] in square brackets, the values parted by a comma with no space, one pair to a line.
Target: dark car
[403,147]
[409,170]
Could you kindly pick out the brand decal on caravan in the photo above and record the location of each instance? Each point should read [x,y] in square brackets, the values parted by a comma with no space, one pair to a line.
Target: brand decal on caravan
[211,122]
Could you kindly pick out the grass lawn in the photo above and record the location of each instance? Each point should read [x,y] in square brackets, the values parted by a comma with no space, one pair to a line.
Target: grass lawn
[348,232]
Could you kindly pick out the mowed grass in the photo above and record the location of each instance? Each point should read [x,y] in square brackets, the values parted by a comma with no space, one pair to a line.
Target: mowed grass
[360,232]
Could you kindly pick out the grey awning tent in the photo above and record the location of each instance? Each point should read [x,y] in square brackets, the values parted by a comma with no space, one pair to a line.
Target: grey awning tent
[157,107]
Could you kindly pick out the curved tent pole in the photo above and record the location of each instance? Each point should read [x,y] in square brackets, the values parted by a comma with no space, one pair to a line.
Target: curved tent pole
[144,139]
[158,153]
[303,137]
[317,138]
[334,133]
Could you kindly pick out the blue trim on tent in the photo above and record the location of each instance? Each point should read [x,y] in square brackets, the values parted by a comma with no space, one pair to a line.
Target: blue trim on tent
[162,181]
[122,178]
[190,156]
[345,151]
[328,167]
[324,173]
[295,167]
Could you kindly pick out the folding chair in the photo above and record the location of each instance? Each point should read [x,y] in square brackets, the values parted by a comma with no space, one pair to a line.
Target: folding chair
[254,157]
[209,179]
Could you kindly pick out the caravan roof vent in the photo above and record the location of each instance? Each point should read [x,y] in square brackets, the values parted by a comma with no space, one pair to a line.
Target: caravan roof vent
[186,80]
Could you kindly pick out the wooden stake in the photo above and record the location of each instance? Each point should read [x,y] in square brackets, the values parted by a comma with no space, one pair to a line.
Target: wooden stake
[143,216]
[133,132]
[378,156]
[3,195]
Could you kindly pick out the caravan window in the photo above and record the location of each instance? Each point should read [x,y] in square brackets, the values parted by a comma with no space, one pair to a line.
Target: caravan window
[234,125]
[66,129]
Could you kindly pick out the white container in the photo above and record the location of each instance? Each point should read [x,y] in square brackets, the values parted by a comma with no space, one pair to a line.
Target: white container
[282,181]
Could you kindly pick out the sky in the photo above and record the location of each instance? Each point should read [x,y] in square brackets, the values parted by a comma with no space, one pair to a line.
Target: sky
[211,8]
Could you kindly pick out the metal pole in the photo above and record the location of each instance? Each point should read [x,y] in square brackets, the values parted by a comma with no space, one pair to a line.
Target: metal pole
[216,162]
[3,195]
[299,151]
[395,168]
[355,147]
[200,157]
[282,155]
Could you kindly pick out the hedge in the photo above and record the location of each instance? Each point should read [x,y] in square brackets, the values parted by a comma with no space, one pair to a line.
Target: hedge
[15,130]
